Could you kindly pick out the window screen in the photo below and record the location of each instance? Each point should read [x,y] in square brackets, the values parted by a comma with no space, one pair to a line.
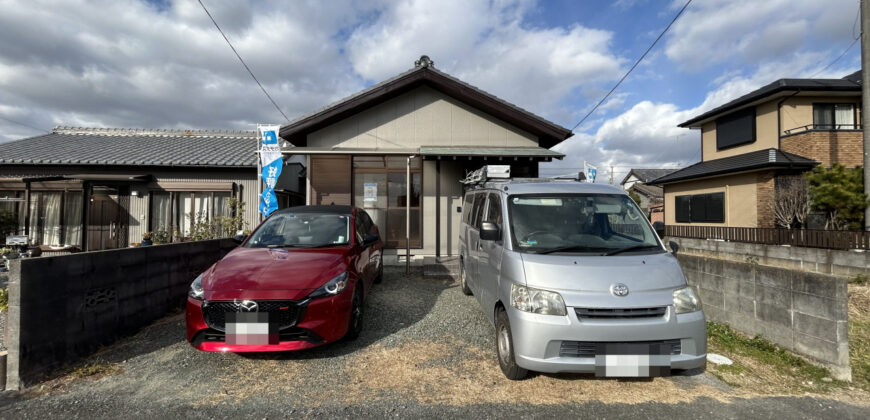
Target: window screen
[735,129]
[682,214]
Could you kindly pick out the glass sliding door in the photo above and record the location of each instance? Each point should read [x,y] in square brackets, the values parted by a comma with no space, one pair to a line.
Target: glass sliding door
[72,219]
[380,187]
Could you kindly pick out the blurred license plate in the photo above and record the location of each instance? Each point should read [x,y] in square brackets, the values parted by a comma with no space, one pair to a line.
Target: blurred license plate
[632,360]
[250,328]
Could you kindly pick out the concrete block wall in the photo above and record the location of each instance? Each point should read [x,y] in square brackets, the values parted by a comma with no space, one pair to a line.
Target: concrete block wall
[64,308]
[802,311]
[826,261]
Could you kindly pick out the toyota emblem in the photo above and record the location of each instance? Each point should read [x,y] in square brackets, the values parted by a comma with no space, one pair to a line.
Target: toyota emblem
[246,305]
[619,289]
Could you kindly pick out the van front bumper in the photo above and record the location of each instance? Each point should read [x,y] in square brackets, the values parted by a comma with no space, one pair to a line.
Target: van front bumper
[538,339]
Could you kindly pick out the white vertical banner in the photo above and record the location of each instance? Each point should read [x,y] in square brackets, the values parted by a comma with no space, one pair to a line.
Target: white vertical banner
[591,171]
[271,162]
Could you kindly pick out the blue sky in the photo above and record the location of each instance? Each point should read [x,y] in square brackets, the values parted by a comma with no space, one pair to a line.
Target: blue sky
[161,64]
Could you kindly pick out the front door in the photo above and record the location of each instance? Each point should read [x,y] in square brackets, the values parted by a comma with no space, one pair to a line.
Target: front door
[104,222]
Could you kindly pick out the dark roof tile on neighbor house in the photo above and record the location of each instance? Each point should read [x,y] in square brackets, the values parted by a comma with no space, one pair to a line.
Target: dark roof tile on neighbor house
[759,159]
[425,73]
[646,175]
[782,87]
[134,147]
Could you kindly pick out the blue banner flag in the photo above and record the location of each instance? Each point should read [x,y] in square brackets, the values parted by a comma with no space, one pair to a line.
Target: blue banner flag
[271,161]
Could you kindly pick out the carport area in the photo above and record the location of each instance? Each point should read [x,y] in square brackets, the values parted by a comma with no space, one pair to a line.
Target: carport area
[426,351]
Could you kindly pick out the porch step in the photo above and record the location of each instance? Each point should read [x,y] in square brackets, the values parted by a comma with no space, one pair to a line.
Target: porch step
[447,267]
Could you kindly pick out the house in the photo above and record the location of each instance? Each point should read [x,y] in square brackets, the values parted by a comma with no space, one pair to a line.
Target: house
[651,196]
[401,146]
[749,144]
[134,181]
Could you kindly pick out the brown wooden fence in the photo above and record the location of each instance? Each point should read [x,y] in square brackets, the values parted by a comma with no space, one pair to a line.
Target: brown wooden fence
[831,239]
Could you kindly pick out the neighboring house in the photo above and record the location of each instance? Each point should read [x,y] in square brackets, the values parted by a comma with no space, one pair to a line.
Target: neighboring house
[135,181]
[782,129]
[424,128]
[650,195]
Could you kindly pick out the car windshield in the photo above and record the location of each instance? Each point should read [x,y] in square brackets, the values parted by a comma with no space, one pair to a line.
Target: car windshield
[302,230]
[603,224]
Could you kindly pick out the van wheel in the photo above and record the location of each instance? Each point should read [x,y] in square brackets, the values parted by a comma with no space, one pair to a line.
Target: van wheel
[462,281]
[505,348]
[355,324]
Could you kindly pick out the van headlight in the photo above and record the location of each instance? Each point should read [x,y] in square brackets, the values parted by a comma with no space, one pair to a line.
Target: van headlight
[196,291]
[544,302]
[332,287]
[686,301]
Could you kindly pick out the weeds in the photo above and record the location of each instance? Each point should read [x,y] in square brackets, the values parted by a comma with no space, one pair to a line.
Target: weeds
[860,279]
[96,369]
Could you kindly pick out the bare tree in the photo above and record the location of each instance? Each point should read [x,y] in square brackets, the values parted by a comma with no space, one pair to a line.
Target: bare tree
[791,202]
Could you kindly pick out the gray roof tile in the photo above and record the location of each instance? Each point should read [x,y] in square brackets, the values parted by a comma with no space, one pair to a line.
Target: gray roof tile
[759,159]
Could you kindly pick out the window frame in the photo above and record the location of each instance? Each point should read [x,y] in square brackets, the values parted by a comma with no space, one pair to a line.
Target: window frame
[697,200]
[833,115]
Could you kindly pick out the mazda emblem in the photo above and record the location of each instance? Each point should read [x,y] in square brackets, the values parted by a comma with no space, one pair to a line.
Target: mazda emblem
[246,305]
[619,289]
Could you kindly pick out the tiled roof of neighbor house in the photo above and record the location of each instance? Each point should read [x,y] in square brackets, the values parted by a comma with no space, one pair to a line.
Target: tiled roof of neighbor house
[651,191]
[646,175]
[425,73]
[851,82]
[759,159]
[134,147]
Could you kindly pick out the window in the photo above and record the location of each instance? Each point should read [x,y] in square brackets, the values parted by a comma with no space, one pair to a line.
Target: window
[380,185]
[176,212]
[493,212]
[834,117]
[466,207]
[477,210]
[735,129]
[700,208]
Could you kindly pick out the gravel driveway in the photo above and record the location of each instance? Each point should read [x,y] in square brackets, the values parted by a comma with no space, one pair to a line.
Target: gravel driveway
[426,351]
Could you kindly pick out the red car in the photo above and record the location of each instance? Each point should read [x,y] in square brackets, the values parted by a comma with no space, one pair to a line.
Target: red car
[298,281]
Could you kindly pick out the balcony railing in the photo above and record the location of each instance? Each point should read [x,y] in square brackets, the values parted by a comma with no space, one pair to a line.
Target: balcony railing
[822,127]
[829,239]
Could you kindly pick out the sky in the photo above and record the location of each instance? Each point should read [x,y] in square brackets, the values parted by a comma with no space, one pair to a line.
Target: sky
[162,63]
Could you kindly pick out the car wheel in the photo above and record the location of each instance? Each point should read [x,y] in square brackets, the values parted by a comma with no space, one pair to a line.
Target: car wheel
[355,323]
[380,276]
[463,281]
[505,348]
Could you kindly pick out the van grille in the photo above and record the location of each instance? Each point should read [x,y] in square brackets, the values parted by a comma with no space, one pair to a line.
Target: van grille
[610,313]
[589,348]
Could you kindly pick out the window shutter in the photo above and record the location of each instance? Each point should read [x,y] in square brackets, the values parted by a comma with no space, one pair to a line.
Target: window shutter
[682,214]
[330,180]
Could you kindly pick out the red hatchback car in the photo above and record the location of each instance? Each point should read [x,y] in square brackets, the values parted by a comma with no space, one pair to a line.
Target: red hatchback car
[298,281]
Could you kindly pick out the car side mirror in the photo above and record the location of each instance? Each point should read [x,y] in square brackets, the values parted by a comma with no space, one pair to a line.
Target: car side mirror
[370,239]
[675,247]
[659,227]
[239,238]
[489,231]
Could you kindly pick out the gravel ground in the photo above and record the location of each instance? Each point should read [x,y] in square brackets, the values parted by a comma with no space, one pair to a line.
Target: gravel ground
[426,351]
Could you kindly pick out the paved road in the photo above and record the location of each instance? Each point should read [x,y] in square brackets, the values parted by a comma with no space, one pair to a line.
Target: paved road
[426,352]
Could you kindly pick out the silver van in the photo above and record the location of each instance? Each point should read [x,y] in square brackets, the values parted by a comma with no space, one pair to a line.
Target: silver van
[575,279]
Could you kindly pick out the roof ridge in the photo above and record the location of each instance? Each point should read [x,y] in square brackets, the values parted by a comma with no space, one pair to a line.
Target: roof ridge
[153,132]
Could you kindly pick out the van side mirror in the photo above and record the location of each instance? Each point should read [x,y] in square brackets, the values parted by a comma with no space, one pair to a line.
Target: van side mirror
[659,227]
[239,238]
[675,247]
[489,231]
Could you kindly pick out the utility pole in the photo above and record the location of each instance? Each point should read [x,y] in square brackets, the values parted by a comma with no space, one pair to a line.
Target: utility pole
[865,99]
[611,174]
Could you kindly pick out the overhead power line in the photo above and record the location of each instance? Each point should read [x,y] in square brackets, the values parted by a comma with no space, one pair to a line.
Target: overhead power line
[24,125]
[836,59]
[243,61]
[635,65]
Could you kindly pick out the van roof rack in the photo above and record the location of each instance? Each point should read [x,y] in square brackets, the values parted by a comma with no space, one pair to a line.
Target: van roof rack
[496,173]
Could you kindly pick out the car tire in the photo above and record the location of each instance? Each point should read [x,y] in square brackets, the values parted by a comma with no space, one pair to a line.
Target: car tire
[462,281]
[504,348]
[380,276]
[355,323]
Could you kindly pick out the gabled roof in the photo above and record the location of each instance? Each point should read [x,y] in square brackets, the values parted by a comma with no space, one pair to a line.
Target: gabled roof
[424,73]
[134,147]
[781,87]
[650,191]
[646,175]
[759,159]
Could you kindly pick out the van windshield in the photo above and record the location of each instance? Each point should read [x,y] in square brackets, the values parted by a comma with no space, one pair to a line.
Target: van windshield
[603,224]
[301,230]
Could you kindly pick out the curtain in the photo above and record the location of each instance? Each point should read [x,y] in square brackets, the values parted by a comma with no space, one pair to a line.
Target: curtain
[33,236]
[844,117]
[72,218]
[201,206]
[823,116]
[51,218]
[221,200]
[160,212]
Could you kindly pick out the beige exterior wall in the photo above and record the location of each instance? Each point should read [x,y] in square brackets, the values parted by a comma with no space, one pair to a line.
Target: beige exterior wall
[740,190]
[451,197]
[765,134]
[798,111]
[421,117]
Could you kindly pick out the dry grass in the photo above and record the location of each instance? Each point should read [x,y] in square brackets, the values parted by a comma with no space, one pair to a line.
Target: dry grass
[254,377]
[859,334]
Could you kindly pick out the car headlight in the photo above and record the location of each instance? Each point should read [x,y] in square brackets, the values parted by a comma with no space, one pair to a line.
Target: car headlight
[529,299]
[332,287]
[196,291]
[686,301]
